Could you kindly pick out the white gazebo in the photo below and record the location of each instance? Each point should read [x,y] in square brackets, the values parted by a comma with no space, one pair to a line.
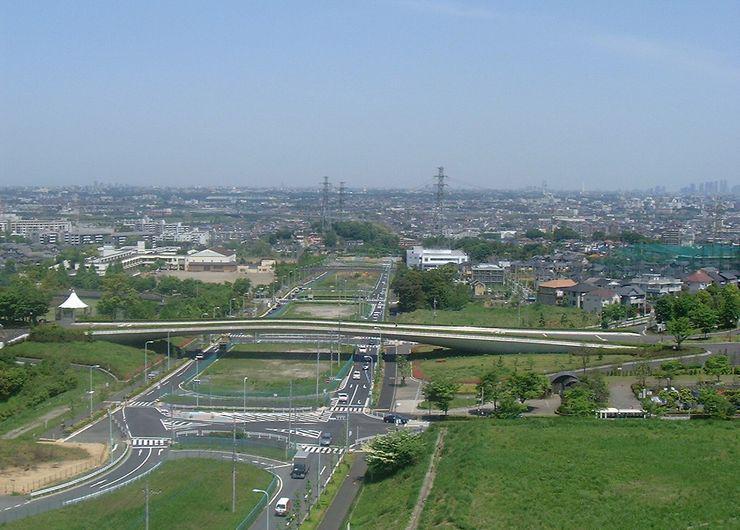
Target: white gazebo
[70,305]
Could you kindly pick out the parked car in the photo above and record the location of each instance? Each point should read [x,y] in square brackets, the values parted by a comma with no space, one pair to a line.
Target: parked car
[395,418]
[282,506]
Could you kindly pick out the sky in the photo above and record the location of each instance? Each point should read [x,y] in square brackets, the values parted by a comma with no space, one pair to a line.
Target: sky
[580,94]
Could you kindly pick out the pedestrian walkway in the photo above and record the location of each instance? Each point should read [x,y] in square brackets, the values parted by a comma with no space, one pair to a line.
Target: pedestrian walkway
[356,409]
[141,404]
[339,509]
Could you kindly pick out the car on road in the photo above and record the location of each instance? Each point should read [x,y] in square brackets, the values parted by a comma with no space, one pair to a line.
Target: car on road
[325,439]
[282,506]
[356,374]
[343,397]
[366,366]
[395,418]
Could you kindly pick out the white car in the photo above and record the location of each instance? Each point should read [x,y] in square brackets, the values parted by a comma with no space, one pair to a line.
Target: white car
[356,374]
[282,506]
[342,397]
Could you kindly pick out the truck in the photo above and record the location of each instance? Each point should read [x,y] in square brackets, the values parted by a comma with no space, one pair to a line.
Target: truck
[301,465]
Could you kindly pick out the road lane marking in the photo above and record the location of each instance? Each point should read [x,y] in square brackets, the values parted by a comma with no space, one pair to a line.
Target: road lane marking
[133,470]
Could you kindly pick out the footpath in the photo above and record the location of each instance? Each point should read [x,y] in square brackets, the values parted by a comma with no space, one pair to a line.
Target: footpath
[340,506]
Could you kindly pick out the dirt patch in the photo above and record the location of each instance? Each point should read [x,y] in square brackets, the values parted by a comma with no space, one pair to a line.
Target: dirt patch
[15,433]
[23,481]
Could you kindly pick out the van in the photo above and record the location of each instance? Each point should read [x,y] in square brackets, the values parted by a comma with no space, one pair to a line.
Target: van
[282,506]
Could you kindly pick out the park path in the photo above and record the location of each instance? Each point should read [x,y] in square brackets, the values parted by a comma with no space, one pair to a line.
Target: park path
[426,486]
[340,506]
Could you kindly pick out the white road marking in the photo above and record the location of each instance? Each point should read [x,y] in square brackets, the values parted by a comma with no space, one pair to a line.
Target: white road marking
[133,470]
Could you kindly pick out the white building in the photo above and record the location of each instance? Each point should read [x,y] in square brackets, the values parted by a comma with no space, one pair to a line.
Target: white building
[432,258]
[25,227]
[131,257]
[657,285]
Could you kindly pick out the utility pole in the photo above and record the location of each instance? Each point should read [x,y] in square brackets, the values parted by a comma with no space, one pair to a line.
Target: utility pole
[318,355]
[290,418]
[146,505]
[324,203]
[439,196]
[110,435]
[233,469]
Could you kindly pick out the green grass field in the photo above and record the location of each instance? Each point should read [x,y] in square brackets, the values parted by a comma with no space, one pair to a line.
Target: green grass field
[123,361]
[285,347]
[185,494]
[388,503]
[266,374]
[322,310]
[468,368]
[558,473]
[28,453]
[345,283]
[474,314]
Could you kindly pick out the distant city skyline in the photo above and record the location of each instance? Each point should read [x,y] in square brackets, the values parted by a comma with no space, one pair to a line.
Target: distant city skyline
[505,95]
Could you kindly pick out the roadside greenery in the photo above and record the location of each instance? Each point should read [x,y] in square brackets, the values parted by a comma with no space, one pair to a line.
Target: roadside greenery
[584,397]
[390,452]
[440,391]
[432,289]
[707,309]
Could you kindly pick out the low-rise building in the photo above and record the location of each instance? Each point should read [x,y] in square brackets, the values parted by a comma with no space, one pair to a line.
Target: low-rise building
[488,274]
[553,292]
[657,285]
[595,301]
[211,260]
[432,258]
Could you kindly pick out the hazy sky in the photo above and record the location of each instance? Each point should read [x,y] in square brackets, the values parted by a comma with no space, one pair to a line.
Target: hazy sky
[376,93]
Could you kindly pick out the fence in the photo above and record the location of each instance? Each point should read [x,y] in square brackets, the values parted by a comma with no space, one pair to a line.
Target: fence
[268,445]
[255,512]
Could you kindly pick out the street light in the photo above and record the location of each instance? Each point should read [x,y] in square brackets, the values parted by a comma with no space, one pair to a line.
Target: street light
[94,366]
[146,367]
[245,394]
[231,307]
[168,350]
[214,311]
[267,505]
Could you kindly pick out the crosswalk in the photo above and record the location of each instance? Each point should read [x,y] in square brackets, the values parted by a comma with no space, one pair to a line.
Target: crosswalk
[175,425]
[319,449]
[307,433]
[358,409]
[141,404]
[150,442]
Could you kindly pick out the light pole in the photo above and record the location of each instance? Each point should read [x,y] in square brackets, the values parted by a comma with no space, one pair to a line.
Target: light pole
[231,307]
[267,505]
[110,434]
[91,388]
[317,371]
[245,394]
[146,360]
[168,350]
[214,311]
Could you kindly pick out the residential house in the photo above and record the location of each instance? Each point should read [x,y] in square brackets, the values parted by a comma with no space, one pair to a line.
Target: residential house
[697,281]
[552,292]
[656,285]
[595,301]
[632,295]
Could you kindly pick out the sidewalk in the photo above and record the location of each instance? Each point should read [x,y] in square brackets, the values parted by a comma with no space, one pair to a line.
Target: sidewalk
[339,509]
[408,397]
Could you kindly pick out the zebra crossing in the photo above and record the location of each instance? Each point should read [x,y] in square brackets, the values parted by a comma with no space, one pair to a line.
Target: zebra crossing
[307,433]
[141,403]
[359,409]
[150,442]
[321,450]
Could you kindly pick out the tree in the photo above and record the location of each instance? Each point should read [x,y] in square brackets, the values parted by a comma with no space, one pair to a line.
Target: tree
[440,391]
[680,328]
[404,367]
[564,233]
[716,405]
[508,407]
[642,371]
[390,452]
[527,385]
[717,365]
[663,309]
[577,401]
[703,318]
[729,310]
[489,387]
[534,233]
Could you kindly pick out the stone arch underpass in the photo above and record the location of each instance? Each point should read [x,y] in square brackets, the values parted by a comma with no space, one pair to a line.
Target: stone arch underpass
[562,380]
[465,338]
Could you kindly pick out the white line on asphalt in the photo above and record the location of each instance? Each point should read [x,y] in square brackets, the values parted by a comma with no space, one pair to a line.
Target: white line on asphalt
[98,482]
[133,470]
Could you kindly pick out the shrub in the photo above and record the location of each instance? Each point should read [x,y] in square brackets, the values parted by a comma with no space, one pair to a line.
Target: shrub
[56,333]
[393,451]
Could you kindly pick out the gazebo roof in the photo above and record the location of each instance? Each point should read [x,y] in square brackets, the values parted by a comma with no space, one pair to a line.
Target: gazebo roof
[73,302]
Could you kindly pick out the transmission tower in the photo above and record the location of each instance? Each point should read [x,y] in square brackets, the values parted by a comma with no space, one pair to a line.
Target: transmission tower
[324,203]
[342,189]
[440,176]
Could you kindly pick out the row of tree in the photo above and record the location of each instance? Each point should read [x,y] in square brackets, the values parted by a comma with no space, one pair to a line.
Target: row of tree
[707,309]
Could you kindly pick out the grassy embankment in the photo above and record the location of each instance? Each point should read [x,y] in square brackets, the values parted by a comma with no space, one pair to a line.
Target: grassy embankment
[343,284]
[556,473]
[27,453]
[184,494]
[475,314]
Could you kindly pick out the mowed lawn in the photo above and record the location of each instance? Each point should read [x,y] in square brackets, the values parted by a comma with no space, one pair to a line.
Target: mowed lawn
[185,494]
[123,361]
[469,368]
[346,282]
[474,314]
[266,375]
[558,473]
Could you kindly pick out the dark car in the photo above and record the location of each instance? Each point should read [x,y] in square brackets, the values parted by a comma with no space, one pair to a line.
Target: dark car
[325,439]
[395,418]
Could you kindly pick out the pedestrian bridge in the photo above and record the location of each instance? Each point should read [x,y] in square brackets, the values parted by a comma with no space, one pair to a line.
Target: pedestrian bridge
[468,338]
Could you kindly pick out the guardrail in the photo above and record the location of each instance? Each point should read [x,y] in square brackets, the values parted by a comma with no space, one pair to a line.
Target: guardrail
[254,512]
[79,480]
[112,488]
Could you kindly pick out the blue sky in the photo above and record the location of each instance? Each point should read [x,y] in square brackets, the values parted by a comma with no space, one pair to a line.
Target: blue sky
[378,93]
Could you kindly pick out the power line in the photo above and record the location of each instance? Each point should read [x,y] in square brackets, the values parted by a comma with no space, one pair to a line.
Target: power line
[342,189]
[440,176]
[324,203]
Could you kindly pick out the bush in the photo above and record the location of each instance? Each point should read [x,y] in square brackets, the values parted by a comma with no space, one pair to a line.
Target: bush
[393,451]
[56,333]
